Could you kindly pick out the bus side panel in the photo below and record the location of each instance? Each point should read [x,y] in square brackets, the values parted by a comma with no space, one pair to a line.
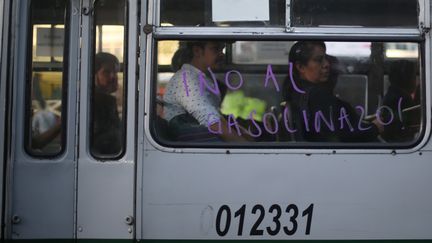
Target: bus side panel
[43,201]
[207,196]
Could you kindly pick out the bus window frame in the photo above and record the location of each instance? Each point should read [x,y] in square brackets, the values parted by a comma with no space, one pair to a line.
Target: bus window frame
[124,67]
[156,4]
[29,83]
[154,7]
[305,33]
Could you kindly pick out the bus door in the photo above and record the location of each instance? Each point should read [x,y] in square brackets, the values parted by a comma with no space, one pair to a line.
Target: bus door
[41,171]
[105,203]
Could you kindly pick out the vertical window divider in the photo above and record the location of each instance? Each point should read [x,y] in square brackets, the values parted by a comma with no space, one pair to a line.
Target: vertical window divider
[288,27]
[155,7]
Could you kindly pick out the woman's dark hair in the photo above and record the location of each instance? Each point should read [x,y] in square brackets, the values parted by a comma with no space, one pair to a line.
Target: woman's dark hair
[103,58]
[300,53]
[184,54]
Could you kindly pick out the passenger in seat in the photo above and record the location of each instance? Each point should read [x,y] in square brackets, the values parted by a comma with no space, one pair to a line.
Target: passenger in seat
[190,114]
[46,126]
[402,77]
[312,73]
[107,136]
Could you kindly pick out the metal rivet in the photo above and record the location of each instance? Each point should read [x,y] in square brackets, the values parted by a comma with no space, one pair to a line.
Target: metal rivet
[147,29]
[16,219]
[129,220]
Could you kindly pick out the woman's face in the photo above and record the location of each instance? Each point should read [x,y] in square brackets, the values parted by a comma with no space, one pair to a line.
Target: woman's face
[317,69]
[211,56]
[106,77]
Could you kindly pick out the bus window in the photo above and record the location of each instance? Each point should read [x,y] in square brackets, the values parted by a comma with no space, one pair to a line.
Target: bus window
[288,94]
[108,110]
[205,13]
[384,13]
[248,52]
[46,78]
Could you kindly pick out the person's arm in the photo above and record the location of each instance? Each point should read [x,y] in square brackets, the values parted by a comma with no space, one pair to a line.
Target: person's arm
[200,107]
[232,136]
[362,131]
[41,140]
[347,125]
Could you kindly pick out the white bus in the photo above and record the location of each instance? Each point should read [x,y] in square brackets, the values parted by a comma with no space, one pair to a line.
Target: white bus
[186,120]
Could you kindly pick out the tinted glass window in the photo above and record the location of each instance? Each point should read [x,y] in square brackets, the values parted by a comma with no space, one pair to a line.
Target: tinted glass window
[368,13]
[222,13]
[47,77]
[108,109]
[289,94]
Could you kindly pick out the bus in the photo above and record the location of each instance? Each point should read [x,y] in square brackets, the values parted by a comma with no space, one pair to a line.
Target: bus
[215,120]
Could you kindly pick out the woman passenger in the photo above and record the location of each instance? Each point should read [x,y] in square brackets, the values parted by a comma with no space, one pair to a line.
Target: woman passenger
[312,73]
[107,134]
[192,115]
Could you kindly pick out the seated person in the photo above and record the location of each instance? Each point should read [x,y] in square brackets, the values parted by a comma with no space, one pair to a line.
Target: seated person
[107,135]
[46,126]
[314,95]
[191,115]
[402,77]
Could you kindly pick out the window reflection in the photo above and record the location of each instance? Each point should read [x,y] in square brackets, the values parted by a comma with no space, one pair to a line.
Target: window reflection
[110,38]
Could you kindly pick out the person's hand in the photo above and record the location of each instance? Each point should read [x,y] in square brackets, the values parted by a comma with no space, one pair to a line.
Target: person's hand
[379,125]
